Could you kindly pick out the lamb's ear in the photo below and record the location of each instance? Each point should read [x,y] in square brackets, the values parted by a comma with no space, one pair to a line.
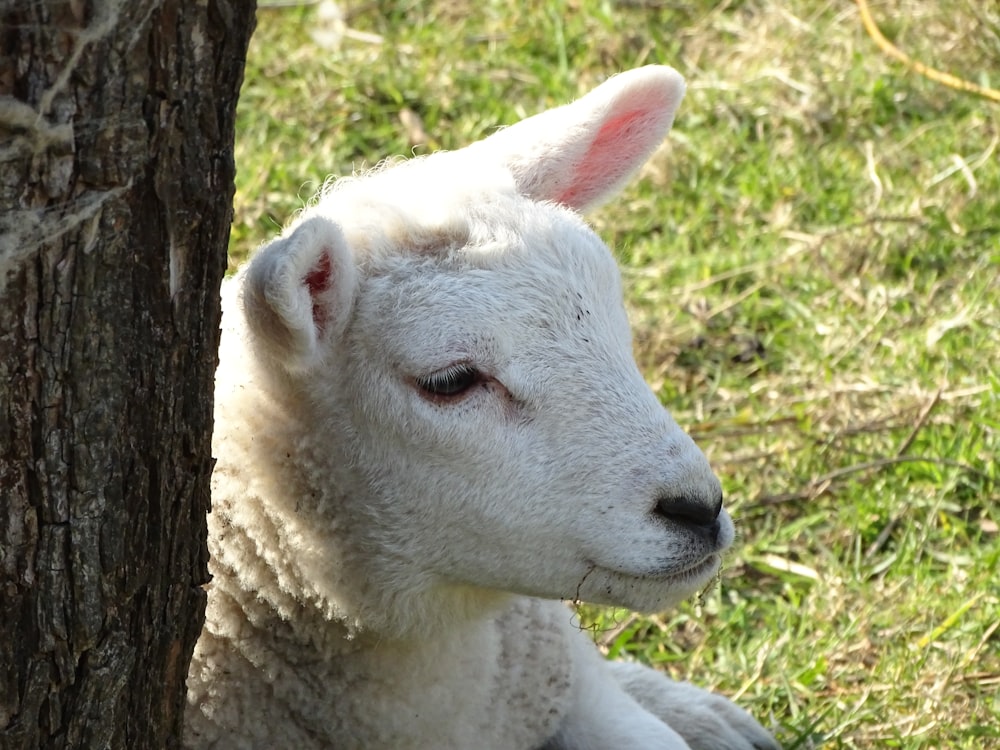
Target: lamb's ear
[298,291]
[581,153]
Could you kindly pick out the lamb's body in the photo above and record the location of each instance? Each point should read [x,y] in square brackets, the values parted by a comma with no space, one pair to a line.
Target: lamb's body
[429,429]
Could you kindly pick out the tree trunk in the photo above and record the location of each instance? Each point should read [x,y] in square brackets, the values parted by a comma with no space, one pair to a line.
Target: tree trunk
[116,185]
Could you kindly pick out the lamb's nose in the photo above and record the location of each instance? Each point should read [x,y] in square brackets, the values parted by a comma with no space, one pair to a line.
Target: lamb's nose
[695,514]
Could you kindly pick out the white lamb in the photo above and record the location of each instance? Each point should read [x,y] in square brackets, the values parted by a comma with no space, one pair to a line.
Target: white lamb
[430,429]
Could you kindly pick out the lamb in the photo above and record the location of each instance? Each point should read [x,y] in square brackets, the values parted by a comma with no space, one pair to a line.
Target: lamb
[429,430]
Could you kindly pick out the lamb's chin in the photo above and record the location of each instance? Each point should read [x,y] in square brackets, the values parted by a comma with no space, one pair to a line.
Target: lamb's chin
[654,591]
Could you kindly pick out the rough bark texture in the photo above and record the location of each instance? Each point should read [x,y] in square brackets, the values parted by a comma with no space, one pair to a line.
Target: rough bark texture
[116,185]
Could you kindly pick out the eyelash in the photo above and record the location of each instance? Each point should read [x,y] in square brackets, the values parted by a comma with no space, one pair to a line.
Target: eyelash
[451,383]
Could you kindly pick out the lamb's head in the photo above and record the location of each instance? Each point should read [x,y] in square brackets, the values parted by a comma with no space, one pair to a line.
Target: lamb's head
[454,339]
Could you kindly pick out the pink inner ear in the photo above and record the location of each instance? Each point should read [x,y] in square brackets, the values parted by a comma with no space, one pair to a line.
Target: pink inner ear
[618,148]
[319,280]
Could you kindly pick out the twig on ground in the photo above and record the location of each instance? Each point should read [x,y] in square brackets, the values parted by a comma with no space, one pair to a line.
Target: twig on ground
[820,485]
[916,66]
[925,412]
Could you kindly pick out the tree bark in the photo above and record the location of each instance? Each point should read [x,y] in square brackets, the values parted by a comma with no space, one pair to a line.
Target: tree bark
[116,186]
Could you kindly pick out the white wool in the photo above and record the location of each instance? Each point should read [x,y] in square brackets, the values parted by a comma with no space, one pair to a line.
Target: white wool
[388,556]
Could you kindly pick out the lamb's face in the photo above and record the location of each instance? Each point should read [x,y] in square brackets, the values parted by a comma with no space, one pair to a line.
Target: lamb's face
[510,440]
[460,339]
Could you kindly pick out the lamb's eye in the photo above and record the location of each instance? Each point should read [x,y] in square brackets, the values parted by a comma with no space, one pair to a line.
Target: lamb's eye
[450,383]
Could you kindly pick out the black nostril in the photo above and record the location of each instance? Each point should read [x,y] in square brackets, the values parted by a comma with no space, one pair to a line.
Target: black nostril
[686,510]
[718,505]
[692,513]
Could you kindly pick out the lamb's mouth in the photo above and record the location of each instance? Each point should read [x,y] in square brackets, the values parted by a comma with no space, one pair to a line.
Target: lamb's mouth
[704,568]
[700,570]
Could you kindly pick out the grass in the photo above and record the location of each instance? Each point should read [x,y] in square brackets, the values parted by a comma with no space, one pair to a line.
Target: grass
[813,266]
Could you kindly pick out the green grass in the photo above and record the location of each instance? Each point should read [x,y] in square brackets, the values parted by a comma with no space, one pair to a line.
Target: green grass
[813,265]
